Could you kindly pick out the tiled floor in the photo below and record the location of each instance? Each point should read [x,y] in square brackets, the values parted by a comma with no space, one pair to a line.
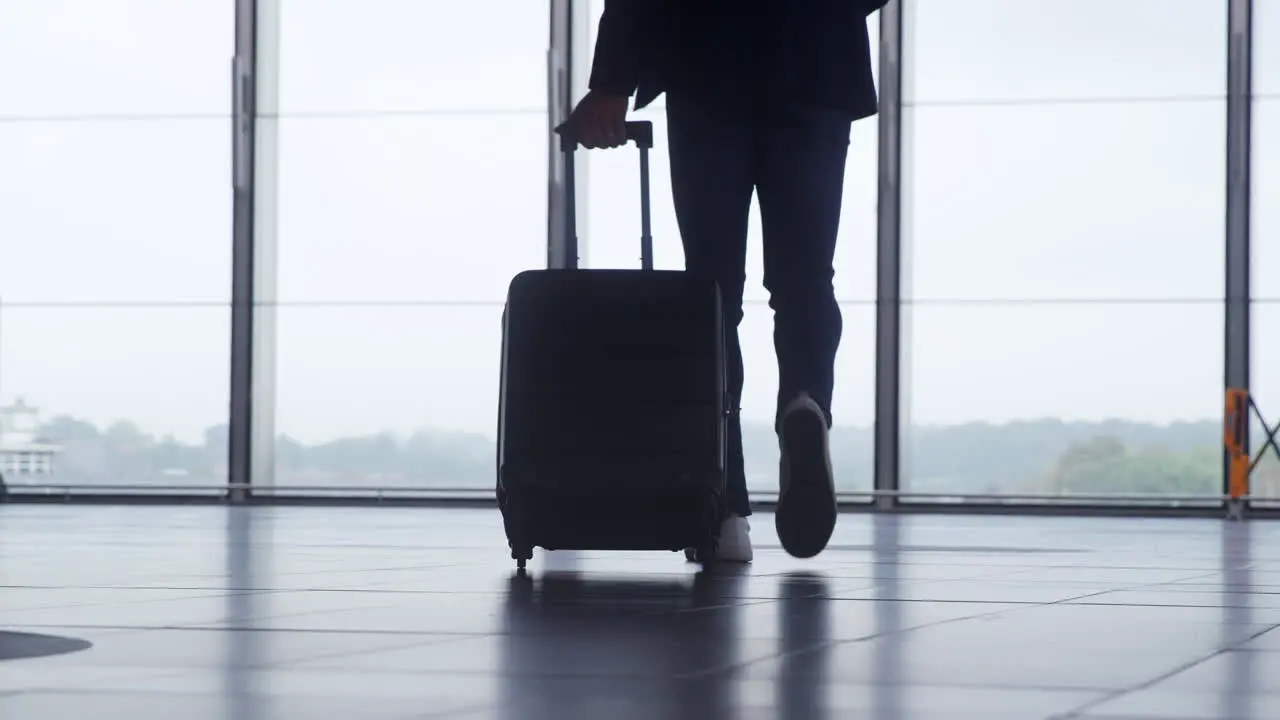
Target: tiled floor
[269,614]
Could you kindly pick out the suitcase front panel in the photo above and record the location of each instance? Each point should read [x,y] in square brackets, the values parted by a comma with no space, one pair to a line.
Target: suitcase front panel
[612,377]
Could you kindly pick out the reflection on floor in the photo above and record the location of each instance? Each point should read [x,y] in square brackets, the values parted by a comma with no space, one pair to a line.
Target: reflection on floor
[268,614]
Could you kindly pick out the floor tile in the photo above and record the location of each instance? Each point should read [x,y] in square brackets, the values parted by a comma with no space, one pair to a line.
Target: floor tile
[275,613]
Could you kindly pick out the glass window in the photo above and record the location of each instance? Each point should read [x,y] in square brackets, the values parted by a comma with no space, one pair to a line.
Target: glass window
[1266,237]
[1064,229]
[116,234]
[610,238]
[412,187]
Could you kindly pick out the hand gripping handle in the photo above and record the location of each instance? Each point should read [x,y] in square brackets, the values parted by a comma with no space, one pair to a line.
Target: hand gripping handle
[641,133]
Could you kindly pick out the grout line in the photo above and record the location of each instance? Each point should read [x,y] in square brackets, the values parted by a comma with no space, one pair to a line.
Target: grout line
[1116,695]
[828,644]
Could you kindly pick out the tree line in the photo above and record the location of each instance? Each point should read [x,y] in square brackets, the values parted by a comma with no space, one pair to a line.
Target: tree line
[1036,456]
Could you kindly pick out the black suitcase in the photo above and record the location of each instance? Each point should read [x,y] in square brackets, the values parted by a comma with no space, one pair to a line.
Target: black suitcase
[612,404]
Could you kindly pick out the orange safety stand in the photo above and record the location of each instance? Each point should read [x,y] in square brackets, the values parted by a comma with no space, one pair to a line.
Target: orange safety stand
[1235,431]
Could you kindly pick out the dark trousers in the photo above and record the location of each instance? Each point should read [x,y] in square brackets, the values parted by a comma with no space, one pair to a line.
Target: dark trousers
[794,158]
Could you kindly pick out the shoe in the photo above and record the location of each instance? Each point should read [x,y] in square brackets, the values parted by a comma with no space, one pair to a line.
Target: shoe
[735,540]
[806,515]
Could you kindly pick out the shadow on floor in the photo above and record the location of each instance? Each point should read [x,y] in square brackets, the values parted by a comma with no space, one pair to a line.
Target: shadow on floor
[588,647]
[24,646]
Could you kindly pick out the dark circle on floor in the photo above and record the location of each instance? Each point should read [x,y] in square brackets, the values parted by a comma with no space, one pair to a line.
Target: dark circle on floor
[24,646]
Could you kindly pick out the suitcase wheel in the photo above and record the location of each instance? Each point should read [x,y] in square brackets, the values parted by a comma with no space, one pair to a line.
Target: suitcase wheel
[705,554]
[522,555]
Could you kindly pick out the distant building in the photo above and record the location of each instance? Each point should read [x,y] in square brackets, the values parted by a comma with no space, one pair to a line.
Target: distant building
[22,453]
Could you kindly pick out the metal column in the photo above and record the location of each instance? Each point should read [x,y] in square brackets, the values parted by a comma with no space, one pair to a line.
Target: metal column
[889,246]
[244,109]
[1239,149]
[265,241]
[581,21]
[561,240]
[251,434]
[567,75]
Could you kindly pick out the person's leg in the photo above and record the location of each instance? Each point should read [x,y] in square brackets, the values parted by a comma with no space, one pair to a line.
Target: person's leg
[802,154]
[711,153]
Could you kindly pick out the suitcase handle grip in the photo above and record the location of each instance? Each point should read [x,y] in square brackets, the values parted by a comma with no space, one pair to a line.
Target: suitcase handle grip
[641,133]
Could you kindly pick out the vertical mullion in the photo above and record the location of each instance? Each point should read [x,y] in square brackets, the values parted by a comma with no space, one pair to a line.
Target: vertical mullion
[889,356]
[562,249]
[1238,293]
[266,123]
[582,13]
[243,89]
[251,433]
[567,74]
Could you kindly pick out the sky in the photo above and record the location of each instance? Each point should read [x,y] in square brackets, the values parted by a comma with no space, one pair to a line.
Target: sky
[1065,209]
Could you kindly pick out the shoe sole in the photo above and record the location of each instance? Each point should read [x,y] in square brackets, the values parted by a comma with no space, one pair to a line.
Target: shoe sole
[691,555]
[806,515]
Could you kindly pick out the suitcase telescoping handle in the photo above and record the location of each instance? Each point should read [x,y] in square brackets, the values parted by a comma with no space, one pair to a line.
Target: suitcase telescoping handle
[639,132]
